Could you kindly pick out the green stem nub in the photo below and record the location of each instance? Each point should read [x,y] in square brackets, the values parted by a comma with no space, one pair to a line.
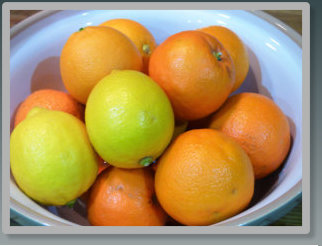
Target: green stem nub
[71,204]
[81,29]
[217,55]
[146,161]
[146,49]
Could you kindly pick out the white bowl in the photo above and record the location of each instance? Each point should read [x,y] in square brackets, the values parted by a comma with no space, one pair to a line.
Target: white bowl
[275,71]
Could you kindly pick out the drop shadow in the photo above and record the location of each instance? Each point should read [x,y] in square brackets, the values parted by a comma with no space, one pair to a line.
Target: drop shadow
[47,75]
[256,68]
[265,186]
[73,214]
[253,83]
[292,127]
[12,119]
[253,80]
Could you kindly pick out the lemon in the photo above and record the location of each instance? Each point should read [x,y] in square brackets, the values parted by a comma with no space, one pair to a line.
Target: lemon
[129,119]
[51,157]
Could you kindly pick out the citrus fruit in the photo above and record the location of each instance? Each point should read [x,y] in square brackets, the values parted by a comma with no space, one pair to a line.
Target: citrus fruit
[139,34]
[49,99]
[195,71]
[102,165]
[154,166]
[259,126]
[125,197]
[204,177]
[129,119]
[92,53]
[179,128]
[51,157]
[235,47]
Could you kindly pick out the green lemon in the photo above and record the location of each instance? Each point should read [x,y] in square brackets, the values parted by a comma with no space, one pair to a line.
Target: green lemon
[129,119]
[51,157]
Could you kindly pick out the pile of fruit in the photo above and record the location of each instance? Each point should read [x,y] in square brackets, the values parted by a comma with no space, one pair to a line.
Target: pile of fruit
[148,133]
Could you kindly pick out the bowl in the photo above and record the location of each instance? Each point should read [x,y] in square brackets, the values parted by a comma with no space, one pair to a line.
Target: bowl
[275,71]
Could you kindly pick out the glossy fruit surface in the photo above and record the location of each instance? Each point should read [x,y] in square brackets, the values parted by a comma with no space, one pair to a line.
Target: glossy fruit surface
[138,34]
[259,126]
[51,157]
[129,119]
[235,47]
[92,53]
[204,177]
[49,99]
[195,71]
[125,197]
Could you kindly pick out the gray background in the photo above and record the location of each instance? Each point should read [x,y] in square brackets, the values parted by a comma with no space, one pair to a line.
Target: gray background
[313,238]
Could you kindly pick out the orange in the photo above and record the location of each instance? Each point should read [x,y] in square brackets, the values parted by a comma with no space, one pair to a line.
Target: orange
[235,47]
[92,53]
[49,99]
[204,177]
[102,165]
[259,126]
[195,71]
[125,197]
[139,34]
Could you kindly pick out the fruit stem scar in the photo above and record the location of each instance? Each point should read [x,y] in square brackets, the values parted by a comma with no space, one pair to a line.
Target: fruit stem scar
[81,29]
[217,55]
[146,49]
[146,161]
[71,203]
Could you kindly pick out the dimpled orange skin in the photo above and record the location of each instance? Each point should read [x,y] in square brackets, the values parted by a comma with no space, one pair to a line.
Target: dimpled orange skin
[235,47]
[259,126]
[91,54]
[125,197]
[186,67]
[49,99]
[139,35]
[204,177]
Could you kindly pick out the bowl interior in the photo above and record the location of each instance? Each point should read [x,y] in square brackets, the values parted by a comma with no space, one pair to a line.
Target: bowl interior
[275,71]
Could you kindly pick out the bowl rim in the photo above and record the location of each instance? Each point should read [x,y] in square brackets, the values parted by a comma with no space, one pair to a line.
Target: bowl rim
[289,31]
[258,216]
